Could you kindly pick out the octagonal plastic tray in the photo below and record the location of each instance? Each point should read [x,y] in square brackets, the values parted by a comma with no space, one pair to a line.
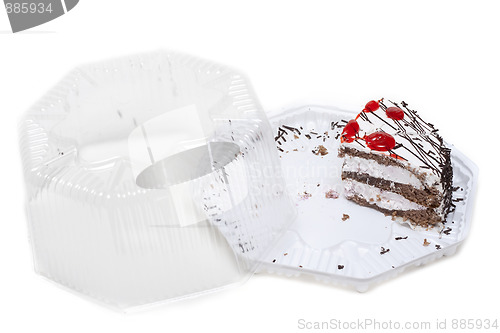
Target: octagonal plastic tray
[334,239]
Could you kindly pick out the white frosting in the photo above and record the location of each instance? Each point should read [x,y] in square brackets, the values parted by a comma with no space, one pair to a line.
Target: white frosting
[383,199]
[374,169]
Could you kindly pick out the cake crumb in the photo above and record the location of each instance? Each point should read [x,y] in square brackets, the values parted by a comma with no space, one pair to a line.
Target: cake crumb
[320,150]
[295,136]
[305,195]
[426,243]
[345,217]
[285,254]
[331,194]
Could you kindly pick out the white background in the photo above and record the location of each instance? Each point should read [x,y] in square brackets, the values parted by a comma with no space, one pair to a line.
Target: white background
[440,56]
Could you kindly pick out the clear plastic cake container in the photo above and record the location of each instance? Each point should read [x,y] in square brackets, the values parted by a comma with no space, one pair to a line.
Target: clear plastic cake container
[151,178]
[335,240]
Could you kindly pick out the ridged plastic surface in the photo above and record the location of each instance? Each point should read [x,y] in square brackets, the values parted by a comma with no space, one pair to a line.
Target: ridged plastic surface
[365,247]
[210,199]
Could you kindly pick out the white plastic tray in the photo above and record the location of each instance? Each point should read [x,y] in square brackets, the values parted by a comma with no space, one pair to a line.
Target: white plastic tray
[367,247]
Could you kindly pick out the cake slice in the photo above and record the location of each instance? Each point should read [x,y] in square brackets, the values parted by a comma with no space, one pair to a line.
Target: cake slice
[397,163]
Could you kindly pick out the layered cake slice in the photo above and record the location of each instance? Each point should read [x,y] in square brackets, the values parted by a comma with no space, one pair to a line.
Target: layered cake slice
[398,164]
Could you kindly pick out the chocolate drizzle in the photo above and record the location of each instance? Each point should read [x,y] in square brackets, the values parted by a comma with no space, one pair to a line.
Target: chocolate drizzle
[425,132]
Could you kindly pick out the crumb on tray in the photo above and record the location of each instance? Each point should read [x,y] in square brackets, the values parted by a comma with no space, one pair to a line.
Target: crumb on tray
[320,150]
[305,195]
[331,194]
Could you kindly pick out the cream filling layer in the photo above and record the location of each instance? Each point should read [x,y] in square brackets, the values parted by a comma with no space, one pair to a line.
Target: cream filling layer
[376,170]
[383,199]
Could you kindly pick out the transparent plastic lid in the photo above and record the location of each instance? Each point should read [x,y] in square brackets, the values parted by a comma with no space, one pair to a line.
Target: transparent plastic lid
[151,178]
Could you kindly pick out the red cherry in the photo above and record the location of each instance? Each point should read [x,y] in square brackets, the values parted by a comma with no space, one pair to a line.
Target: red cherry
[350,131]
[371,106]
[380,141]
[395,113]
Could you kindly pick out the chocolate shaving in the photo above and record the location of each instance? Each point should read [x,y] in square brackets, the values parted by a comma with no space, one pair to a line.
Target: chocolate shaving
[447,231]
[293,129]
[383,250]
